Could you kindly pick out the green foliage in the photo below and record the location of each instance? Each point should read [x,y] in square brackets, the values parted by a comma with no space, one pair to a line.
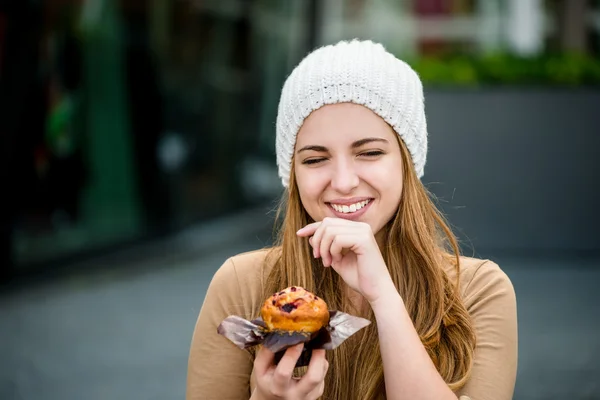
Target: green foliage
[566,69]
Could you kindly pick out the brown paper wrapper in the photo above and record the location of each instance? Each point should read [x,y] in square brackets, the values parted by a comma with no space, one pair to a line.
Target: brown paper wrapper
[245,334]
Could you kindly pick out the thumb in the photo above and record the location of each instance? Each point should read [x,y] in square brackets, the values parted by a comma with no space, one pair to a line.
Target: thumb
[264,360]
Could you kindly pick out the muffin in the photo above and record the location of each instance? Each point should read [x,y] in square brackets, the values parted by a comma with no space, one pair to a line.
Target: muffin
[295,309]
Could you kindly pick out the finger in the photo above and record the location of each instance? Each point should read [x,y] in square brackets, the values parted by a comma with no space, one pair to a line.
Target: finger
[329,235]
[339,247]
[264,360]
[316,239]
[283,373]
[308,229]
[315,374]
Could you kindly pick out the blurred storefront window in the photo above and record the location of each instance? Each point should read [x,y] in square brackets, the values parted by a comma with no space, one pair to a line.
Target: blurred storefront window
[137,118]
[73,179]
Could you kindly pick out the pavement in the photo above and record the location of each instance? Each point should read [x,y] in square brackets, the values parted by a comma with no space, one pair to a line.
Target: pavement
[119,326]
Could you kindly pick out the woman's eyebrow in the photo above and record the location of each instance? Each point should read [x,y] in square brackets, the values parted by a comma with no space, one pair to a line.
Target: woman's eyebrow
[354,145]
[313,147]
[364,141]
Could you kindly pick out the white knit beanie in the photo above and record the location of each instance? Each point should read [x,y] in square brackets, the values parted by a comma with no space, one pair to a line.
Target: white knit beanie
[360,72]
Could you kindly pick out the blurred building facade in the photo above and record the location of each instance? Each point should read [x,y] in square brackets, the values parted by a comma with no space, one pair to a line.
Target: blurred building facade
[127,119]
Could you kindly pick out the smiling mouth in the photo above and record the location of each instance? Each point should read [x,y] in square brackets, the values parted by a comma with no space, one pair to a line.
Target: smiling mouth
[350,208]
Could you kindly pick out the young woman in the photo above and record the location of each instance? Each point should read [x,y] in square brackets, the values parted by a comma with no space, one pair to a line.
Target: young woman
[359,230]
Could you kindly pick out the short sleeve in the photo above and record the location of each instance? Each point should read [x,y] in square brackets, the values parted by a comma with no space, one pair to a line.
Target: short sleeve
[217,369]
[491,302]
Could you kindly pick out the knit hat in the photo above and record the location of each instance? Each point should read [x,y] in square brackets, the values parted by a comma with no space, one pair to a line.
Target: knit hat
[360,72]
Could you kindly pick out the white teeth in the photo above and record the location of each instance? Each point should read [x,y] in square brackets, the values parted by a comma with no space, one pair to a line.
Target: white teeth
[351,208]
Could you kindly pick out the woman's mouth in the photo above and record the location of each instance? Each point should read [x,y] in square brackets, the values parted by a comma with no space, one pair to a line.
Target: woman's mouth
[350,211]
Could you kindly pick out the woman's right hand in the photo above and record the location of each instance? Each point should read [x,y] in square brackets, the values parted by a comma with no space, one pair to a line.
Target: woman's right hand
[275,382]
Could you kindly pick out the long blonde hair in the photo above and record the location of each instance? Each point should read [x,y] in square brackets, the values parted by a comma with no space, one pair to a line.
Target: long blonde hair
[419,246]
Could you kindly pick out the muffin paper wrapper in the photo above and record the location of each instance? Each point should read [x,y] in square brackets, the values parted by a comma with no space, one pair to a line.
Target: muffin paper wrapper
[245,334]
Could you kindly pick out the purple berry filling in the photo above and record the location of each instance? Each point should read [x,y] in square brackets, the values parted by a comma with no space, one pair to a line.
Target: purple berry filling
[288,307]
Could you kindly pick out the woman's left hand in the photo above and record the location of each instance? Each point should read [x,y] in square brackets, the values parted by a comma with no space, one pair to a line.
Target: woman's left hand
[350,248]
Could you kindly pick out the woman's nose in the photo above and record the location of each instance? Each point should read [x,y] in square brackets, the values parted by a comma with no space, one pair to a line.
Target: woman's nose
[344,178]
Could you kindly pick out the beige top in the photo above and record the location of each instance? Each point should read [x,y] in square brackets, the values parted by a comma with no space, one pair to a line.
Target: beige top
[219,370]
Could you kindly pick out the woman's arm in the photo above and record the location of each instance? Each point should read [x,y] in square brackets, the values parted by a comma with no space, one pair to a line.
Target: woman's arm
[217,369]
[409,373]
[408,370]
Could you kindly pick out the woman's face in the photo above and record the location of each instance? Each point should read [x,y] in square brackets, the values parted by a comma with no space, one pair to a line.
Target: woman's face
[348,165]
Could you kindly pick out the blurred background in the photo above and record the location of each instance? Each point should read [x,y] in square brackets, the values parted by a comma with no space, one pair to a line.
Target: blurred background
[137,154]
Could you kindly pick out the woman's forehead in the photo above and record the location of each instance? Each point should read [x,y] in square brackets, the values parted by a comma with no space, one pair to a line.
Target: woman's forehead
[345,122]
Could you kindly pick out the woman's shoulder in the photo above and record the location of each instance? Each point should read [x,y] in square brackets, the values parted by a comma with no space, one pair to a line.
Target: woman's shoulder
[480,278]
[252,263]
[470,266]
[239,281]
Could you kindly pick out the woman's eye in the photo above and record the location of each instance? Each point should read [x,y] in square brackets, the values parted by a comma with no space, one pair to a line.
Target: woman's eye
[373,153]
[313,161]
